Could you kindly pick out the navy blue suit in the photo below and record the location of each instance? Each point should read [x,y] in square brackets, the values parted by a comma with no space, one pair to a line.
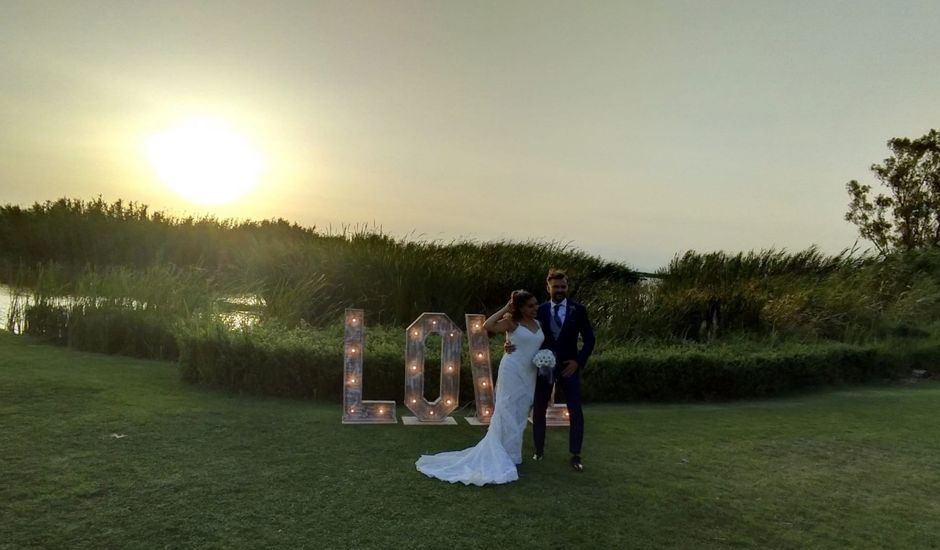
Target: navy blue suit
[565,347]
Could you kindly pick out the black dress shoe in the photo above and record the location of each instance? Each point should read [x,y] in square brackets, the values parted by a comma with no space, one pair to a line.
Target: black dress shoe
[576,463]
[538,457]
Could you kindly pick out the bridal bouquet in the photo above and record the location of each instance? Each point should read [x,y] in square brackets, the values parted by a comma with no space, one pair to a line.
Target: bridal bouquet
[544,360]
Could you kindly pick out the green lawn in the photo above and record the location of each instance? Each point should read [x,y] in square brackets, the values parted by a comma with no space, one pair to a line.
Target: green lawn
[857,467]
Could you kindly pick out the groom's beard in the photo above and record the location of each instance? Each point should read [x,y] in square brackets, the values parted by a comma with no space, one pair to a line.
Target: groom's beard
[558,297]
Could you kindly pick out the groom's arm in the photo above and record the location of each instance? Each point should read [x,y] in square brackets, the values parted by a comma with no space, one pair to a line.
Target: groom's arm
[587,339]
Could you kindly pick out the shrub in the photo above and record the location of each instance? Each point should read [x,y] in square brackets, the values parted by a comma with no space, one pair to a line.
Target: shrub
[303,363]
[692,372]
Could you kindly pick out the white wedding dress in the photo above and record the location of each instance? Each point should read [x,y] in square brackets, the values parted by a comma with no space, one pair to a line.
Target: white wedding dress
[494,458]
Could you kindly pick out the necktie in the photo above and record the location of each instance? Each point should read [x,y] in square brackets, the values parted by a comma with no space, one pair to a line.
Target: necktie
[557,319]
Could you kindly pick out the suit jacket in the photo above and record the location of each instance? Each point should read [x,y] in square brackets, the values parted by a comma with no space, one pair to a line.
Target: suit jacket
[565,346]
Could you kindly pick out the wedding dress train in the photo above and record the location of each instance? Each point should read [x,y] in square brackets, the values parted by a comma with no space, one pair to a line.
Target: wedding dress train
[494,458]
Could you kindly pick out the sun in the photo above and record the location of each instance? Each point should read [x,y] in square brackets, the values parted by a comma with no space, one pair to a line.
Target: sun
[205,161]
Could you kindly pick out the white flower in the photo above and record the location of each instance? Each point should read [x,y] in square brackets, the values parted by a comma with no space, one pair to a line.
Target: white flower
[544,358]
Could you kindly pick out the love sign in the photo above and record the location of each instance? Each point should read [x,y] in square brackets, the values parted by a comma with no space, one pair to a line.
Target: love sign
[358,411]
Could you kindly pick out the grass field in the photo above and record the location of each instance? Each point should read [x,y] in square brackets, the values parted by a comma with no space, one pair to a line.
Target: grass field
[851,467]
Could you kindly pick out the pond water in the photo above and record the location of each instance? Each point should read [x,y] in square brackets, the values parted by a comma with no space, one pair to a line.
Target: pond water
[10,299]
[6,303]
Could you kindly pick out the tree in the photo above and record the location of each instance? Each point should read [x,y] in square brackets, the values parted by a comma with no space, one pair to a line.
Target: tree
[908,218]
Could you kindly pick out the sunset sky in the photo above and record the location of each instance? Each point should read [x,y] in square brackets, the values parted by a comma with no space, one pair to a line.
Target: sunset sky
[634,130]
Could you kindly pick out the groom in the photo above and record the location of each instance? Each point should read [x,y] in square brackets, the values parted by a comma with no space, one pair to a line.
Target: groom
[563,321]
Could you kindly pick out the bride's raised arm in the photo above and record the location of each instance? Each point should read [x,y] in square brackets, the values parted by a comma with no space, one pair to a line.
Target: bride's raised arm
[501,321]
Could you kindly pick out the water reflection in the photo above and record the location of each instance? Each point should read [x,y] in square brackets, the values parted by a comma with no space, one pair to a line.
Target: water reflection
[11,309]
[234,311]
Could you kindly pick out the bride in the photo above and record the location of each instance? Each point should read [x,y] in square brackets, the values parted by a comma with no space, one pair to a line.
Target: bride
[494,458]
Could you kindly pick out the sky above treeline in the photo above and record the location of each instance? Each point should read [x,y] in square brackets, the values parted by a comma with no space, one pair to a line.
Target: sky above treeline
[631,130]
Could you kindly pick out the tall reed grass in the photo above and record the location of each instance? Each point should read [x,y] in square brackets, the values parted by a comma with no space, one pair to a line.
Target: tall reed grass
[297,273]
[803,295]
[117,309]
[119,279]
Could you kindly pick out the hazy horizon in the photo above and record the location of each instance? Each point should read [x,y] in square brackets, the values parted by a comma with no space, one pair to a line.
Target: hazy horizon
[632,130]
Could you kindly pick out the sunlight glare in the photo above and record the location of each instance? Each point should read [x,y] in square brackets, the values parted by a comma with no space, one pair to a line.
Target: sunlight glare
[205,161]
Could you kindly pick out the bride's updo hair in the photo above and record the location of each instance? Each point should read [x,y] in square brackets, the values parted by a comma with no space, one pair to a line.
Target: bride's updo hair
[519,299]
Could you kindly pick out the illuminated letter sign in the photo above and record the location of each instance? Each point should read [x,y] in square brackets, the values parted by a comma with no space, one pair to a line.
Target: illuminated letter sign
[355,410]
[479,341]
[557,413]
[436,411]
